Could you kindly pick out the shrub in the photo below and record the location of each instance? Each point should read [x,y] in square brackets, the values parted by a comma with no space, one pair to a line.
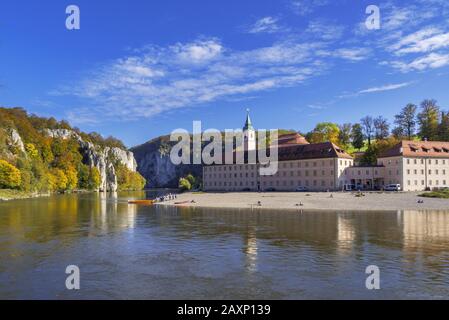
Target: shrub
[10,177]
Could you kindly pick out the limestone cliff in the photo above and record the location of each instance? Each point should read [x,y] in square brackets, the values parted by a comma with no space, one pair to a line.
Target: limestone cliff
[101,158]
[153,163]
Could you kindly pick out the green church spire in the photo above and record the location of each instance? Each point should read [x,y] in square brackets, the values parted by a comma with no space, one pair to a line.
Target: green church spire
[248,124]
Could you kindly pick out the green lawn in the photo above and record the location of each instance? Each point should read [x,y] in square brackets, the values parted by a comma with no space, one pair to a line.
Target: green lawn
[442,194]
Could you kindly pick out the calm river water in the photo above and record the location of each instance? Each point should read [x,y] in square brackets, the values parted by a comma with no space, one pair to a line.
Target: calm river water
[133,252]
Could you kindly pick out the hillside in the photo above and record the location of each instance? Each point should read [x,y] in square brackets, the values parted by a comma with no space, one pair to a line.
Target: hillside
[153,163]
[45,155]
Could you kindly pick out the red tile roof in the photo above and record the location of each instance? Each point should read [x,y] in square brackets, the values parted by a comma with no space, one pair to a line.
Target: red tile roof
[291,138]
[432,149]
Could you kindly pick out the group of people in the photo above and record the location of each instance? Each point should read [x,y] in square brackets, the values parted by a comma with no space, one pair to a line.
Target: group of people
[167,197]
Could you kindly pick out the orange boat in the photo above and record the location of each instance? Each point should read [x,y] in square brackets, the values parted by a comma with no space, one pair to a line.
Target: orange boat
[141,202]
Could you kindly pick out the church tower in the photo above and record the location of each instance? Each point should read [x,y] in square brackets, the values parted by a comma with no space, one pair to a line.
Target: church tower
[249,134]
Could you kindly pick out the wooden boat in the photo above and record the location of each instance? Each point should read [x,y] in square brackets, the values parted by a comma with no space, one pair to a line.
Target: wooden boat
[183,202]
[141,202]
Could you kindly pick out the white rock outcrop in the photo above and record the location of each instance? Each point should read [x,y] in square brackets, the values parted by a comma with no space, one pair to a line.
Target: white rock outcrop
[101,158]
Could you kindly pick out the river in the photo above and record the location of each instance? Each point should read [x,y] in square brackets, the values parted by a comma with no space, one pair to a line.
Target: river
[141,252]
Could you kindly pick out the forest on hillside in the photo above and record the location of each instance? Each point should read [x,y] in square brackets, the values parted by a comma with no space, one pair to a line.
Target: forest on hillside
[33,161]
[374,135]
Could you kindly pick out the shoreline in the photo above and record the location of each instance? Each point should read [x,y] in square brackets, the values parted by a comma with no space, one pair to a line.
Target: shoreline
[310,201]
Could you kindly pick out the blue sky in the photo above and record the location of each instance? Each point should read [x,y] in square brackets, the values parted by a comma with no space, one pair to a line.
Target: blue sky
[138,69]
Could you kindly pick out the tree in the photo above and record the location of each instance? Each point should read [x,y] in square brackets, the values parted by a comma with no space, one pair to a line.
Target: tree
[428,120]
[358,140]
[443,129]
[191,179]
[345,134]
[368,127]
[94,179]
[72,178]
[323,132]
[184,184]
[381,127]
[10,177]
[58,180]
[406,121]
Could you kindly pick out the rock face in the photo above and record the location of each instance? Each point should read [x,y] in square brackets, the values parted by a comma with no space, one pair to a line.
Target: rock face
[154,164]
[16,140]
[101,158]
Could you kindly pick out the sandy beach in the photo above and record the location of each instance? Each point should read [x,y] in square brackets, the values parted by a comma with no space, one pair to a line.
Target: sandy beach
[371,201]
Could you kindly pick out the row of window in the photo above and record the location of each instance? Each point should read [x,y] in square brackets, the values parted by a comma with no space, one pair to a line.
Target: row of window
[298,173]
[436,171]
[429,161]
[277,183]
[423,183]
[283,165]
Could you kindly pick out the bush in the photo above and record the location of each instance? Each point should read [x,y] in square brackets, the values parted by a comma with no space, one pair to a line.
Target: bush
[10,177]
[129,180]
[184,184]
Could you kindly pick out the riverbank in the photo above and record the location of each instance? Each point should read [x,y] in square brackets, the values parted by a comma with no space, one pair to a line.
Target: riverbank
[8,194]
[371,201]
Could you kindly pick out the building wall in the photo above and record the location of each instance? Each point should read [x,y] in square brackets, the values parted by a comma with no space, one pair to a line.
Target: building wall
[413,174]
[315,174]
[421,173]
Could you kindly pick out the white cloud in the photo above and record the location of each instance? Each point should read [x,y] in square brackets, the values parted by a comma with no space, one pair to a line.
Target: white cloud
[425,40]
[155,79]
[265,25]
[388,87]
[430,61]
[324,30]
[199,51]
[306,7]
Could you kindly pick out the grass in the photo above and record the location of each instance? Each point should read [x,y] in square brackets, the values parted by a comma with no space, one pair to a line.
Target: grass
[8,194]
[442,194]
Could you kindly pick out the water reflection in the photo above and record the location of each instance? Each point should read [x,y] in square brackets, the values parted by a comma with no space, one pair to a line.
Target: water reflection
[128,251]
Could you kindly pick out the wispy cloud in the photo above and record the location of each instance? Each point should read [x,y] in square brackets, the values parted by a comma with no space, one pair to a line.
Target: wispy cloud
[266,25]
[159,79]
[387,87]
[430,61]
[305,7]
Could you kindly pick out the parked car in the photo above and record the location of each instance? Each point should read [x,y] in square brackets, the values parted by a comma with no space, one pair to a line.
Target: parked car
[392,187]
[302,189]
[246,189]
[349,187]
[270,189]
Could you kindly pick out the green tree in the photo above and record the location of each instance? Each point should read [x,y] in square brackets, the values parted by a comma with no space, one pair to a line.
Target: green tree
[358,140]
[10,177]
[428,120]
[191,180]
[344,136]
[406,121]
[94,179]
[443,129]
[184,184]
[323,132]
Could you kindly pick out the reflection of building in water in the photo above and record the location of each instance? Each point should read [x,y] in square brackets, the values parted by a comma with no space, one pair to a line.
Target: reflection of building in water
[345,233]
[420,227]
[250,249]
